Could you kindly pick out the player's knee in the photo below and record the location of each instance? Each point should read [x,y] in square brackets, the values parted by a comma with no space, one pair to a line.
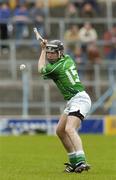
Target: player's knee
[69,130]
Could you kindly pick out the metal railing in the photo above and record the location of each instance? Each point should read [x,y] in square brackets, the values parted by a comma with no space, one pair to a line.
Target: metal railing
[27,82]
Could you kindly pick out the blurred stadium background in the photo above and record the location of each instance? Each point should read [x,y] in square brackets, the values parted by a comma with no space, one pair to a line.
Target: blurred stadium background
[29,104]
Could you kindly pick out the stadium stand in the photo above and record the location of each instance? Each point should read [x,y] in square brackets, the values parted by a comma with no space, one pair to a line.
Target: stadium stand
[41,101]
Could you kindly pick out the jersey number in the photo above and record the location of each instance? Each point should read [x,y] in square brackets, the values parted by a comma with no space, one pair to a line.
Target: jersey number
[72,75]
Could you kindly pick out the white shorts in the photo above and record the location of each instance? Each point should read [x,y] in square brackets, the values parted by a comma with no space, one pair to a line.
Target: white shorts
[81,101]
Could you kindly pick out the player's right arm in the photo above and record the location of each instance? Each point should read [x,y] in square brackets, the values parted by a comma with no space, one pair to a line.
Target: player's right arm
[42,58]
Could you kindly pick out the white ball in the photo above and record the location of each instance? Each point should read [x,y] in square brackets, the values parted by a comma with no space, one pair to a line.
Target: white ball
[22,67]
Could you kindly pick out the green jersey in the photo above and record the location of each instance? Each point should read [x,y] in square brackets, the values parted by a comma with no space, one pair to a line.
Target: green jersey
[65,75]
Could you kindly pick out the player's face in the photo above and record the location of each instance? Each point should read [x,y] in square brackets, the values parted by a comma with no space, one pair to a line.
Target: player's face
[52,56]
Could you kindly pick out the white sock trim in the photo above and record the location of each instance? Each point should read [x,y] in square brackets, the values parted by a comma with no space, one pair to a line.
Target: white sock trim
[80,152]
[71,153]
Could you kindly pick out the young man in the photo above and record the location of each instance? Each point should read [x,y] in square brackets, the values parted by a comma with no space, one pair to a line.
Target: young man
[62,70]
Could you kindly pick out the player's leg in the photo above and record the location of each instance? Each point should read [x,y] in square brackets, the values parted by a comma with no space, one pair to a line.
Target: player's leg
[79,107]
[60,131]
[79,164]
[72,124]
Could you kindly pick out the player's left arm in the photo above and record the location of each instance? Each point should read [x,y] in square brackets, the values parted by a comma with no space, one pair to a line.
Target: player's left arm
[42,58]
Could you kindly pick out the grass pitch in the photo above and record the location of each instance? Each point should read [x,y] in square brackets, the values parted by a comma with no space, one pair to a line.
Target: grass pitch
[42,157]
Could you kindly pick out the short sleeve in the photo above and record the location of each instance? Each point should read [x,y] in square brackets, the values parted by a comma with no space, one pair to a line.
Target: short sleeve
[45,71]
[50,70]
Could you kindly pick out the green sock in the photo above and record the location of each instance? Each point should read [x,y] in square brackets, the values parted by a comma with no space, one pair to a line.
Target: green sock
[80,157]
[76,158]
[72,158]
